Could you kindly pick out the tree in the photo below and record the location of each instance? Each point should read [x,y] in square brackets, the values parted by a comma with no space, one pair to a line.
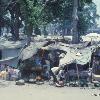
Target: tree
[69,14]
[72,14]
[87,18]
[31,15]
[15,24]
[11,7]
[75,22]
[2,15]
[84,19]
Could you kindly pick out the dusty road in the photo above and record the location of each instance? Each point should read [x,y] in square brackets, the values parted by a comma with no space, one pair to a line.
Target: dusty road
[45,92]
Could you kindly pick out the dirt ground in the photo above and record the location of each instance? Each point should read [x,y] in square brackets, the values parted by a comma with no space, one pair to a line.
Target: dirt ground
[10,91]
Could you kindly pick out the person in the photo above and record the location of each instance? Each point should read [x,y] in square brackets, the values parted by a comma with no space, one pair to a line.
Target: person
[90,75]
[14,74]
[53,72]
[11,72]
[47,65]
[3,74]
[61,75]
[51,59]
[67,76]
[43,62]
[17,73]
[2,67]
[46,74]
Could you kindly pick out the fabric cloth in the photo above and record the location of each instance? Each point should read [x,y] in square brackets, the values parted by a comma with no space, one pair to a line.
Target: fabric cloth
[55,70]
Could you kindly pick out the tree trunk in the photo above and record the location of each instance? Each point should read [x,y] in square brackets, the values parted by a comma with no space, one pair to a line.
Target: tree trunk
[0,31]
[64,30]
[0,18]
[7,28]
[37,31]
[75,38]
[12,24]
[28,32]
[16,31]
[44,31]
[16,26]
[15,21]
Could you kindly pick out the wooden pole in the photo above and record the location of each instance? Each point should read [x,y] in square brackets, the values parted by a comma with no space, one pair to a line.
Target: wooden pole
[77,71]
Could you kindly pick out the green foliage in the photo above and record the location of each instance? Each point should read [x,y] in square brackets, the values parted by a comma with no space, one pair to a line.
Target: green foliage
[61,10]
[37,13]
[31,14]
[87,1]
[37,31]
[87,17]
[4,20]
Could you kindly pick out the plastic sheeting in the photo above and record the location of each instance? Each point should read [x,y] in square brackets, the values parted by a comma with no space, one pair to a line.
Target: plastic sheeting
[79,56]
[91,37]
[5,44]
[29,51]
[73,54]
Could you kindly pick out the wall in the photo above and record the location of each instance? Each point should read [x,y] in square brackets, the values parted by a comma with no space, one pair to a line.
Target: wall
[12,62]
[10,53]
[7,55]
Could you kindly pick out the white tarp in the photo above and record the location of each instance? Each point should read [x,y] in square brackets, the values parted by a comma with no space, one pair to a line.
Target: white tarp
[72,54]
[82,56]
[7,59]
[29,51]
[5,44]
[91,37]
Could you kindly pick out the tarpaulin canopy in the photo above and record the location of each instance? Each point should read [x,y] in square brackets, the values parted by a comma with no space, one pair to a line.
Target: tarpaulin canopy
[78,56]
[91,37]
[5,44]
[29,51]
[72,53]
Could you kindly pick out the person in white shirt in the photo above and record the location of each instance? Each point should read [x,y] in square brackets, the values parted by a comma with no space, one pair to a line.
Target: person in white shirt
[61,75]
[54,72]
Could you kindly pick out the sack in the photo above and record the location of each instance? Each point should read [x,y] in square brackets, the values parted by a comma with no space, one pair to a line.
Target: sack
[61,83]
[38,78]
[20,82]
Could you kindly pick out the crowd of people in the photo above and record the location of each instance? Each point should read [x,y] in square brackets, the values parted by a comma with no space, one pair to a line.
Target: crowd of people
[57,75]
[60,76]
[8,72]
